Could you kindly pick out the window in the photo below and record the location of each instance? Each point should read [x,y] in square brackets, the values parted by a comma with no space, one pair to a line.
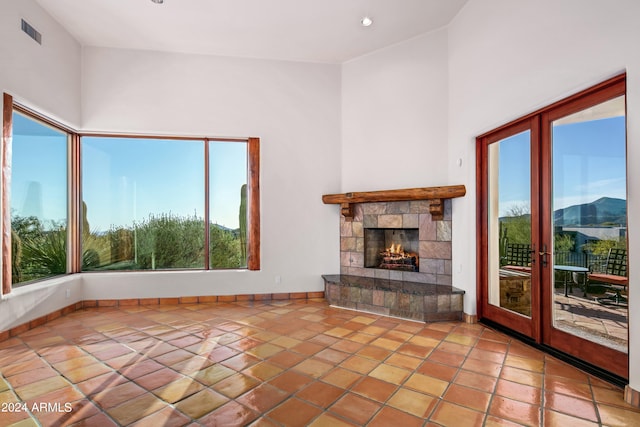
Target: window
[38,204]
[228,204]
[142,203]
[75,202]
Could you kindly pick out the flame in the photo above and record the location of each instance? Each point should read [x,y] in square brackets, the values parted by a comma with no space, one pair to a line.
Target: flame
[396,255]
[396,249]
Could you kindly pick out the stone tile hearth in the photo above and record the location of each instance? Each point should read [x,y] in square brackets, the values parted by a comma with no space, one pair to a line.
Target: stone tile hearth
[407,300]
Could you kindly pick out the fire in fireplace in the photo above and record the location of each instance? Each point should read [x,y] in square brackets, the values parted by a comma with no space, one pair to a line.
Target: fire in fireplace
[392,248]
[395,258]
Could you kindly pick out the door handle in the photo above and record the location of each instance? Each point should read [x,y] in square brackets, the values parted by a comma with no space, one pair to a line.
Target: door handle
[544,254]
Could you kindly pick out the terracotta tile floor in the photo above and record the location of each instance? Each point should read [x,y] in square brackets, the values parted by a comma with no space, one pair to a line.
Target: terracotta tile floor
[287,363]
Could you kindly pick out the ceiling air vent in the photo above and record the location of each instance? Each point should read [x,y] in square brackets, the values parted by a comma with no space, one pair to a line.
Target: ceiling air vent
[31,32]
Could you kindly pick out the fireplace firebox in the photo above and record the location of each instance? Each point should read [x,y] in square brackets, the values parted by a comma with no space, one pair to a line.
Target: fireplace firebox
[392,249]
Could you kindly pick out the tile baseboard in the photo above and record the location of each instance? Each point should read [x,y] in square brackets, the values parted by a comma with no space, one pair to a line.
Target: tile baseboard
[131,302]
[631,396]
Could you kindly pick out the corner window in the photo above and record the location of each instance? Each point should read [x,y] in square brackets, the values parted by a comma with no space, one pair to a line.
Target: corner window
[144,204]
[74,202]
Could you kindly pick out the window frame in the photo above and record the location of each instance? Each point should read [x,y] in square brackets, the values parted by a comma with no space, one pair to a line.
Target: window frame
[74,191]
[9,108]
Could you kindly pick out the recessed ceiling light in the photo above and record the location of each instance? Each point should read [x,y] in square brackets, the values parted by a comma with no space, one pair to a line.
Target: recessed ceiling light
[158,1]
[366,21]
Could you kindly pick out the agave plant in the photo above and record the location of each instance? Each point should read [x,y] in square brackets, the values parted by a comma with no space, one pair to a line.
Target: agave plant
[46,254]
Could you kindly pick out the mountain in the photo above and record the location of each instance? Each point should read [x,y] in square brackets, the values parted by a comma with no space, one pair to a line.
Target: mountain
[605,210]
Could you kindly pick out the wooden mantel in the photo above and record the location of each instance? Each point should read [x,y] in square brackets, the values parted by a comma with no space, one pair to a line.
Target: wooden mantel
[434,194]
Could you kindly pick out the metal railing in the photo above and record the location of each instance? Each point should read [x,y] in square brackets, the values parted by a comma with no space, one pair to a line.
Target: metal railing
[595,263]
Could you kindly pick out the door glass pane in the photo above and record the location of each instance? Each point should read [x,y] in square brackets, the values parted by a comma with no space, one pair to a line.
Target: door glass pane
[38,200]
[509,228]
[590,224]
[143,204]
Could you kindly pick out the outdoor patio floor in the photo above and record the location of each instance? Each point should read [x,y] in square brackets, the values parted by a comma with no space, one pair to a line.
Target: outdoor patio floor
[288,363]
[606,324]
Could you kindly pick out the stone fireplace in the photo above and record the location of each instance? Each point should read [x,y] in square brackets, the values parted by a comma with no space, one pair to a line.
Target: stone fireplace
[406,223]
[395,258]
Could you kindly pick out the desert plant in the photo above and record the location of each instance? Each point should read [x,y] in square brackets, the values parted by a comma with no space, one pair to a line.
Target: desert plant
[224,248]
[517,224]
[243,224]
[168,241]
[16,257]
[47,255]
[601,247]
[563,243]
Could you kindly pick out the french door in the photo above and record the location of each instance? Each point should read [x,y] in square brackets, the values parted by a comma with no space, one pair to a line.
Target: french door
[552,206]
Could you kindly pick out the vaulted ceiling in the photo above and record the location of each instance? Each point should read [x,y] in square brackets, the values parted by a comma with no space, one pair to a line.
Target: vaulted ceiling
[299,30]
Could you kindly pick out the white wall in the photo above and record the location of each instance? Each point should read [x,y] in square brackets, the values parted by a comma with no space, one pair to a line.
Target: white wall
[47,78]
[509,58]
[394,106]
[39,299]
[294,108]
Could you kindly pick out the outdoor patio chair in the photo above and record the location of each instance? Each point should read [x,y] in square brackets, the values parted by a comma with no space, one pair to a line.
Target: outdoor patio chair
[614,277]
[517,257]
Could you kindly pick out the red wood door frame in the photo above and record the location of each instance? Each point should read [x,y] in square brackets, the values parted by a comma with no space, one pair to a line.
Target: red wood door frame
[539,326]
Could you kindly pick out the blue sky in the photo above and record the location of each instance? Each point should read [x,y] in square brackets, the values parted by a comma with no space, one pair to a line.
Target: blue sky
[39,171]
[514,179]
[588,163]
[125,179]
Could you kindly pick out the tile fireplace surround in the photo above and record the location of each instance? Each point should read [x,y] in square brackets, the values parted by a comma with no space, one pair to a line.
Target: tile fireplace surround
[426,295]
[434,240]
